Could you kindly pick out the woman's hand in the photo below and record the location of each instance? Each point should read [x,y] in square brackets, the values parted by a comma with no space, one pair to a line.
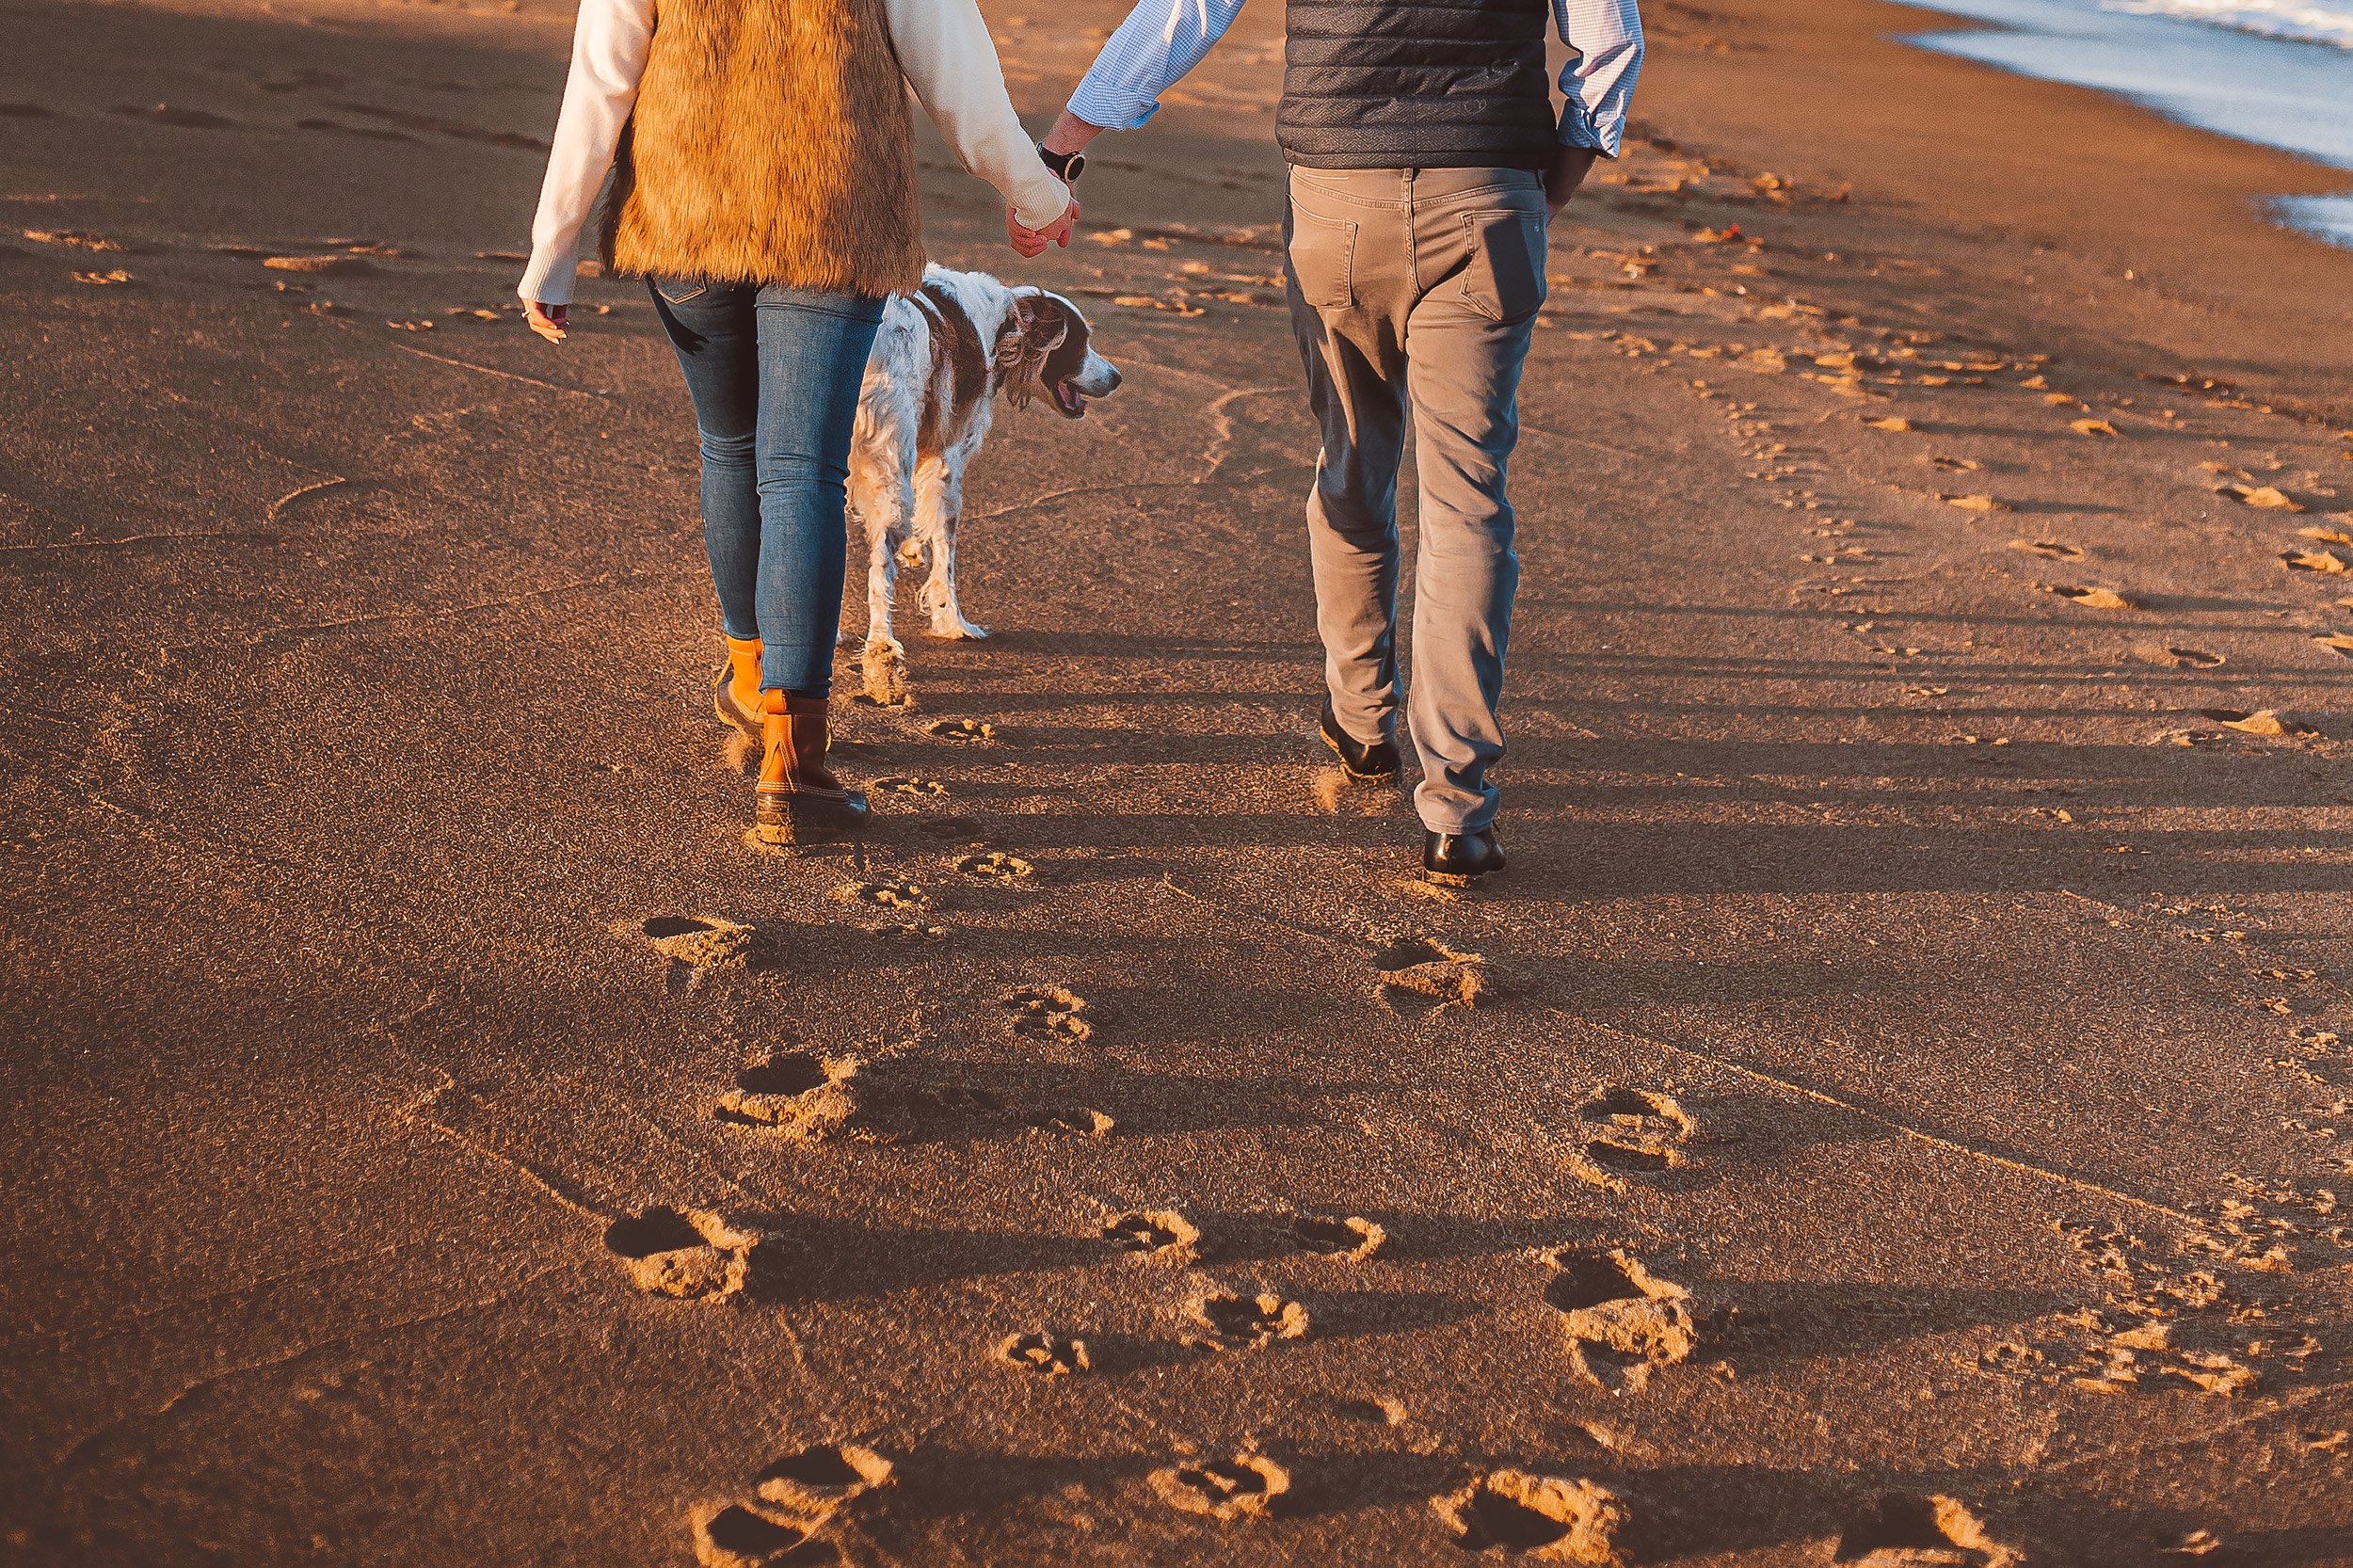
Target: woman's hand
[547,320]
[1032,242]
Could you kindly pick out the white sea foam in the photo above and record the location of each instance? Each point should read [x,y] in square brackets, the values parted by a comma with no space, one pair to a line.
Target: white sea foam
[2286,18]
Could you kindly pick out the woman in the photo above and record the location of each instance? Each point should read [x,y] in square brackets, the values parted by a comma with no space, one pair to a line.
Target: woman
[766,191]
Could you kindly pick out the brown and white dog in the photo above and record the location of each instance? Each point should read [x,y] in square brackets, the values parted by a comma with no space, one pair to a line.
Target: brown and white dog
[939,359]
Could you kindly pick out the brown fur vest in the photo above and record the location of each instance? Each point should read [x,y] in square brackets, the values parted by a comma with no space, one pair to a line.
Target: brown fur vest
[771,144]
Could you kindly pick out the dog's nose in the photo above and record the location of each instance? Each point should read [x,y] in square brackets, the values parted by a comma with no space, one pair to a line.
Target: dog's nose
[1112,385]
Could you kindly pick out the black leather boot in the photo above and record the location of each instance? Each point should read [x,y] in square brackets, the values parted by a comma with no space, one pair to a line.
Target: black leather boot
[1370,762]
[1458,860]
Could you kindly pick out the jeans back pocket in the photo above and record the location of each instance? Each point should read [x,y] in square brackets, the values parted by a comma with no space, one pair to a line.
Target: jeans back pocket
[679,291]
[1323,253]
[1504,276]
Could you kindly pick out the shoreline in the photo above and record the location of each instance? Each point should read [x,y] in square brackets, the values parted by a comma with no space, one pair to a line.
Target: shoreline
[2047,194]
[2291,94]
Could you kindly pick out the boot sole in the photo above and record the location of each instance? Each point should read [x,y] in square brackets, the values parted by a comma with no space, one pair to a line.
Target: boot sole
[725,706]
[799,819]
[1334,746]
[1461,879]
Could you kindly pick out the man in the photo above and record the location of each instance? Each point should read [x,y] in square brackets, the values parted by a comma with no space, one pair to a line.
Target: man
[1426,159]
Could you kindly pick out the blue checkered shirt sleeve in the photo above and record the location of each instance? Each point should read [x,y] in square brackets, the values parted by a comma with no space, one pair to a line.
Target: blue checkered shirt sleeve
[1162,39]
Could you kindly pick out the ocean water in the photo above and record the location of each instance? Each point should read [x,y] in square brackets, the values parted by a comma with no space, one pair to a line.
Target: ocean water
[2278,72]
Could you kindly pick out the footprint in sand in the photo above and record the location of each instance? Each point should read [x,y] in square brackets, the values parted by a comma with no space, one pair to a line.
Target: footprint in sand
[995,865]
[1423,965]
[1349,1238]
[2090,598]
[1048,1013]
[816,1482]
[1243,1487]
[2177,658]
[1247,1323]
[1630,1131]
[2262,721]
[1078,1121]
[729,1535]
[1155,1234]
[2338,641]
[889,892]
[2050,549]
[798,1096]
[793,1499]
[689,1254]
[78,239]
[1621,1320]
[1046,1354]
[961,730]
[705,941]
[1922,1532]
[909,784]
[338,265]
[1548,1518]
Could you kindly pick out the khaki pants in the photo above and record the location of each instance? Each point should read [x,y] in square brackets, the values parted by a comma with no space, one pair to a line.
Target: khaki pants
[1414,291]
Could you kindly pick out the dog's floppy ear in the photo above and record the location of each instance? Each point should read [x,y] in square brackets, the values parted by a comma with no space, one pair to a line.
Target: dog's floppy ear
[1036,329]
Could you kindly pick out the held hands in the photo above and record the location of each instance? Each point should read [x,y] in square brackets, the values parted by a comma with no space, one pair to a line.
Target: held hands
[546,320]
[1032,242]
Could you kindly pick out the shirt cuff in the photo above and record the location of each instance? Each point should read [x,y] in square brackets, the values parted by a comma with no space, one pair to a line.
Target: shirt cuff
[1101,104]
[549,277]
[1578,129]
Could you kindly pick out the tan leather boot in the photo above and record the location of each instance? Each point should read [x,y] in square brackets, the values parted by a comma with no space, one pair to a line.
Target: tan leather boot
[799,796]
[735,690]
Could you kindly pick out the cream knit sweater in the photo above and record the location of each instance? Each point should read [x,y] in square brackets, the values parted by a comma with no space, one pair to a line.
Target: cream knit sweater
[944,50]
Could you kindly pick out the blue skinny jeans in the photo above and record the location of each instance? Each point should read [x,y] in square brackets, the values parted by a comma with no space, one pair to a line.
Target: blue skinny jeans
[774,373]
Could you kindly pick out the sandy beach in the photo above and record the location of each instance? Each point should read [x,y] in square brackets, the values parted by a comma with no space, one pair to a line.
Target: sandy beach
[1899,1108]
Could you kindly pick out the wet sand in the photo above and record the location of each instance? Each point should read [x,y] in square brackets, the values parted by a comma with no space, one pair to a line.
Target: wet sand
[1903,1064]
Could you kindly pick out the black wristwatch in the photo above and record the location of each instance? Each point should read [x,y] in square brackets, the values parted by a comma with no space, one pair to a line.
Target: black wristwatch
[1068,166]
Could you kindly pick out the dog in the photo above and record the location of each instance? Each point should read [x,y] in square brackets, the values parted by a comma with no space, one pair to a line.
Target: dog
[940,357]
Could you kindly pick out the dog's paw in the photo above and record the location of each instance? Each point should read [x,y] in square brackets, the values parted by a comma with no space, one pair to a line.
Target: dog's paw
[885,668]
[953,627]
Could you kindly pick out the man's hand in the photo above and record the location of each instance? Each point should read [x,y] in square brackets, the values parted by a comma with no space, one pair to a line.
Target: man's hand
[1568,170]
[546,320]
[1032,242]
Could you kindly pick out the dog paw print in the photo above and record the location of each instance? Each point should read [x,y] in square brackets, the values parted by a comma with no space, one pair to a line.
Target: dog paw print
[995,865]
[1349,1238]
[1158,1235]
[704,941]
[792,1499]
[889,892]
[1422,966]
[1622,1321]
[1243,1487]
[1046,1354]
[687,1254]
[796,1095]
[1634,1131]
[961,730]
[1546,1518]
[1048,1013]
[909,784]
[1237,1322]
